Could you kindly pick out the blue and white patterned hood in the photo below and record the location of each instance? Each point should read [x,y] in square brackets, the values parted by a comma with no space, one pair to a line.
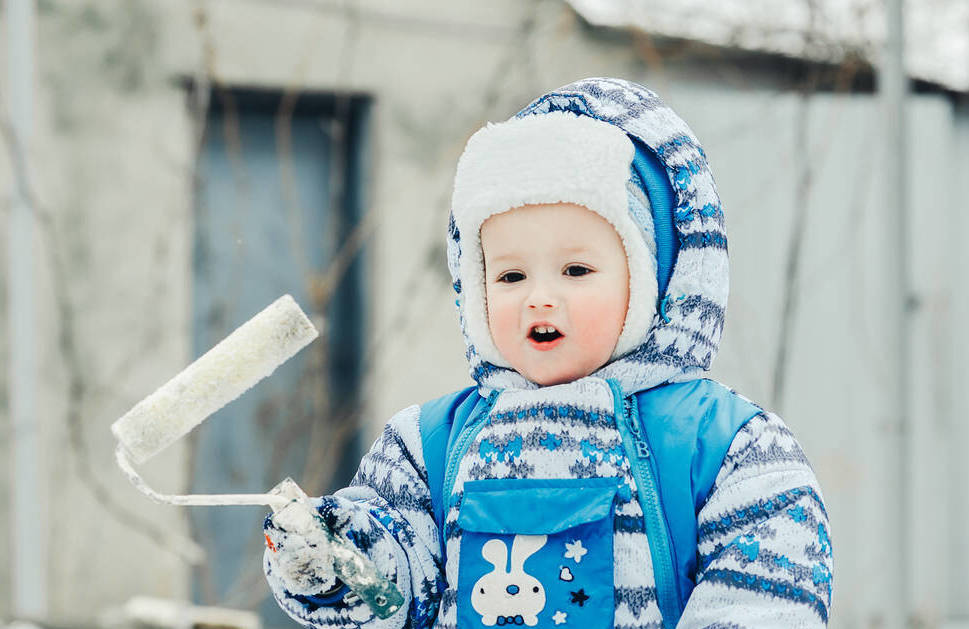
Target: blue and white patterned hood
[685,332]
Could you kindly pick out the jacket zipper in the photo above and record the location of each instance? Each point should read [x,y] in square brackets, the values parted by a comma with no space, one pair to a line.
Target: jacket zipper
[468,433]
[637,449]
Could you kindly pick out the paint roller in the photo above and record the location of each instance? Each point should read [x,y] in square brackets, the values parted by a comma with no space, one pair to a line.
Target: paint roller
[249,354]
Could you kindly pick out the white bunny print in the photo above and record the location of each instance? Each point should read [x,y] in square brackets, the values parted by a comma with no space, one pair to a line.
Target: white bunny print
[513,597]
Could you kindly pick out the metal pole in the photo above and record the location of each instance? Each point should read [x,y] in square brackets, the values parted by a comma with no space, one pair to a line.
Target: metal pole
[27,525]
[893,85]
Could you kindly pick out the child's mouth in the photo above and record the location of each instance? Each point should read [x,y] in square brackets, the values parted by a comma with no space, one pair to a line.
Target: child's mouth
[544,337]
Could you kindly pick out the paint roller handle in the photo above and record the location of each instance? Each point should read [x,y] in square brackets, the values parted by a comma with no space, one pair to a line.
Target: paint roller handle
[308,554]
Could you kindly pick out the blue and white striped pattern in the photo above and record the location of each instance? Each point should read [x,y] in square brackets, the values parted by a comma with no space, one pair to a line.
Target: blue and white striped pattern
[387,512]
[765,556]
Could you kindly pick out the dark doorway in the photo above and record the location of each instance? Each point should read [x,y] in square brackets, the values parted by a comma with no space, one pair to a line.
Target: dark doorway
[279,191]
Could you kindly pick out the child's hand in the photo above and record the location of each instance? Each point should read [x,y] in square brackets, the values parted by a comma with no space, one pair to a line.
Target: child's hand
[299,550]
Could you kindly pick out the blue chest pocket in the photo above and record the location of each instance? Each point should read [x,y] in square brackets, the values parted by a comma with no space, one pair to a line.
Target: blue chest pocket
[537,553]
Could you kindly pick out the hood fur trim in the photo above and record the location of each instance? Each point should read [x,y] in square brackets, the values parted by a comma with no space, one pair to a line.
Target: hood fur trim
[550,158]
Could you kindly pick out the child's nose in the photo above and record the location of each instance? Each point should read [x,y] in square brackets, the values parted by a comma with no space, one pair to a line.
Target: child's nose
[540,298]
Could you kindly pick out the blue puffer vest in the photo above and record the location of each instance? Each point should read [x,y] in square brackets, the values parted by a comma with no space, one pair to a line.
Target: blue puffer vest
[675,437]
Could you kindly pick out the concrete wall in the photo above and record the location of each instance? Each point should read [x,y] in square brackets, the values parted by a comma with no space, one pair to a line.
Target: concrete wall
[839,397]
[114,159]
[110,176]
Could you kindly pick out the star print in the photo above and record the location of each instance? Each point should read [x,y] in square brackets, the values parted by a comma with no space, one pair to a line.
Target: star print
[579,597]
[559,617]
[575,551]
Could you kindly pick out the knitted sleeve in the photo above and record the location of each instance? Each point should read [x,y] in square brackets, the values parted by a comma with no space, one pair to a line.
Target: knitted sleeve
[386,511]
[764,546]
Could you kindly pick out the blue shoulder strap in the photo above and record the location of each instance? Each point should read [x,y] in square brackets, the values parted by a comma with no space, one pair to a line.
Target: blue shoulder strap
[689,426]
[437,419]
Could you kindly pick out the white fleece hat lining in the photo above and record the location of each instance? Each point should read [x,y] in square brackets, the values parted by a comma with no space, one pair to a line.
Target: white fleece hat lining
[549,158]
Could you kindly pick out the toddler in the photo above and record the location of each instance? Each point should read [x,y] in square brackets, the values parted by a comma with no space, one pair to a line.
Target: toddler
[591,478]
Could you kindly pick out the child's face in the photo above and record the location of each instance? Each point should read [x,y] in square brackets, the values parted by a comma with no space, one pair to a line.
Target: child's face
[558,265]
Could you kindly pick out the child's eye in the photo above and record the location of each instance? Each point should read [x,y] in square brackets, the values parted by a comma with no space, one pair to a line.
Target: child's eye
[576,270]
[511,276]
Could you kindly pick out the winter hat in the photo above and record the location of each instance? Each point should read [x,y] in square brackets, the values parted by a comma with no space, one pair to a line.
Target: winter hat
[613,147]
[550,158]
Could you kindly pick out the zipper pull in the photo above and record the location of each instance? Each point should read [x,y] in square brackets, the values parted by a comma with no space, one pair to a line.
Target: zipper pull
[642,449]
[628,416]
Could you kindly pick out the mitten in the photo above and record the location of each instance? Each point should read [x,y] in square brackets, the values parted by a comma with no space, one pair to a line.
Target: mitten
[298,548]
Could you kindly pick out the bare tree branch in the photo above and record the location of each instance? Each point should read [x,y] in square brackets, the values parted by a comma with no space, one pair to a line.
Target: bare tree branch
[182,547]
[791,286]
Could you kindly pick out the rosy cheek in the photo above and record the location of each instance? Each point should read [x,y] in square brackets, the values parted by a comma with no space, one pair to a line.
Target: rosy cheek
[501,319]
[600,327]
[597,329]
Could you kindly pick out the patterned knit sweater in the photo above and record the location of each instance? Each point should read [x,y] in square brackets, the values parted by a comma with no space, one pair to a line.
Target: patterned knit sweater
[764,546]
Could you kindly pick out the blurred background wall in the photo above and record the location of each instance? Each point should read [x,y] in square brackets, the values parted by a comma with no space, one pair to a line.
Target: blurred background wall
[189,162]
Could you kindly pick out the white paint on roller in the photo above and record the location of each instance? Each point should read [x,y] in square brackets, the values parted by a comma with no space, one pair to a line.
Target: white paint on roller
[249,354]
